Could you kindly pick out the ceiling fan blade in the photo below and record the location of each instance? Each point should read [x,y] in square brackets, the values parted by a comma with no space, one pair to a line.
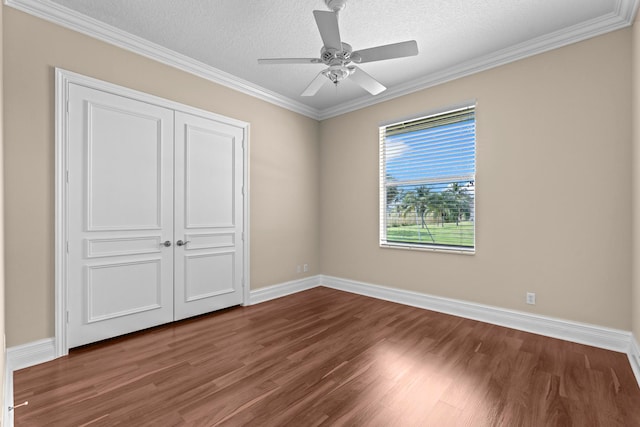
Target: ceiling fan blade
[290,61]
[315,84]
[329,30]
[367,82]
[389,51]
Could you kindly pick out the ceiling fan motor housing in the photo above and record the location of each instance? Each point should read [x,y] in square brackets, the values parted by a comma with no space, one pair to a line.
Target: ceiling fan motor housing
[327,55]
[335,57]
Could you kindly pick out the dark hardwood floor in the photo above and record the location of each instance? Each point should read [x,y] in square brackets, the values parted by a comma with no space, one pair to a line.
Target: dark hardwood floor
[325,357]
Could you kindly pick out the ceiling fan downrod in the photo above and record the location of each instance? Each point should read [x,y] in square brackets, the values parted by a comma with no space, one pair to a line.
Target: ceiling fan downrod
[336,5]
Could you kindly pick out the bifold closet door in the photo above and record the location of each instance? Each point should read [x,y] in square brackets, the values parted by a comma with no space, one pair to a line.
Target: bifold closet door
[208,215]
[120,211]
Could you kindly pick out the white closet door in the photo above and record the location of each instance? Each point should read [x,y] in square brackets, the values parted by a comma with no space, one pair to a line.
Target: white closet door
[208,215]
[120,210]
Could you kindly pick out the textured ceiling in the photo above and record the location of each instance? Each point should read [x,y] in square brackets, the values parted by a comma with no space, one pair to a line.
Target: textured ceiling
[231,35]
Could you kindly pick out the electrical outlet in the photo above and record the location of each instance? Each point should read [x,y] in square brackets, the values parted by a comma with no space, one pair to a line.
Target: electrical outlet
[531,298]
[298,270]
[306,268]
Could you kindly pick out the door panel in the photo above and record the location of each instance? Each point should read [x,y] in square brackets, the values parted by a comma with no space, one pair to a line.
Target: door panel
[96,248]
[208,275]
[209,178]
[123,148]
[120,155]
[208,215]
[106,283]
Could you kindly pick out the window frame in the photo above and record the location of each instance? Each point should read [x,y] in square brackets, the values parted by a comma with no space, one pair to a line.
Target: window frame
[382,185]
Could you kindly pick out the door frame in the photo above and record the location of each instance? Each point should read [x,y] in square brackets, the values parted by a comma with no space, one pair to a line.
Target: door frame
[63,78]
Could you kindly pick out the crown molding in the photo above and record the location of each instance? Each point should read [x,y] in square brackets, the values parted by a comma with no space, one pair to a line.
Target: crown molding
[623,16]
[75,21]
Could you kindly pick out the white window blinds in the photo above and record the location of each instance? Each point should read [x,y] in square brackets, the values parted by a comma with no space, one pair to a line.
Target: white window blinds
[427,181]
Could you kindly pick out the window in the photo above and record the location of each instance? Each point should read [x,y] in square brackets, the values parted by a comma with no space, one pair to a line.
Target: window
[427,182]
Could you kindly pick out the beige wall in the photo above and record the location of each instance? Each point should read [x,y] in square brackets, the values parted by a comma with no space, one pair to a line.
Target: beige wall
[2,328]
[553,186]
[635,300]
[554,134]
[284,166]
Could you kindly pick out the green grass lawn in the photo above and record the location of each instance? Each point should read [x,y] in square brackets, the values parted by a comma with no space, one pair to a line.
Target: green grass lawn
[450,234]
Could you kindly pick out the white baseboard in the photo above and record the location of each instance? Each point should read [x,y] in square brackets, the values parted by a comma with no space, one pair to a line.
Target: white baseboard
[30,354]
[634,357]
[20,357]
[41,351]
[283,289]
[7,415]
[597,336]
[33,353]
[7,389]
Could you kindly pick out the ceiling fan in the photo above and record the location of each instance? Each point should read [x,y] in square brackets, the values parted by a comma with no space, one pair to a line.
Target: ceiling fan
[340,57]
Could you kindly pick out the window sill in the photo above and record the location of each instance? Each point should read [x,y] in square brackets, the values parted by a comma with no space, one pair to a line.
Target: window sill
[427,248]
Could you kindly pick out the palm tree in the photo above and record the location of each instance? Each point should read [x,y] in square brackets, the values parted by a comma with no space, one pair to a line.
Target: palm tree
[392,191]
[439,207]
[417,200]
[458,200]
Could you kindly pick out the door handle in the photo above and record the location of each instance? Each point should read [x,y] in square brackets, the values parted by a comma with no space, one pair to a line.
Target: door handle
[181,243]
[166,244]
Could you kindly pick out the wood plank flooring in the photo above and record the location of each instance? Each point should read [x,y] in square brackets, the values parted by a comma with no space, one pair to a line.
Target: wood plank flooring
[325,357]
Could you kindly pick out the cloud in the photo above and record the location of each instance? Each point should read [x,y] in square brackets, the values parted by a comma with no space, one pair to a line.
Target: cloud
[395,149]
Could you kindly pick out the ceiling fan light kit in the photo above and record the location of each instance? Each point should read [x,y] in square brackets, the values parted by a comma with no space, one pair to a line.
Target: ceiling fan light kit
[339,56]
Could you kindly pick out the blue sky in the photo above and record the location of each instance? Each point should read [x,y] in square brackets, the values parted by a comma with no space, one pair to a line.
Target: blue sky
[445,151]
